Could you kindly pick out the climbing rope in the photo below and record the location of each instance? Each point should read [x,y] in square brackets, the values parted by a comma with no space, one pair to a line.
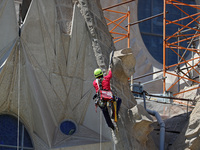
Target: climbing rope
[111,58]
[18,98]
[110,63]
[100,128]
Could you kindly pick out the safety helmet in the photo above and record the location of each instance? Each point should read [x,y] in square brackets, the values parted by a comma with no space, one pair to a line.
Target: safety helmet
[98,73]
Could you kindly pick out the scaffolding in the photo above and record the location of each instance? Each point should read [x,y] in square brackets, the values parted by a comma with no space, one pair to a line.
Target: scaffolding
[191,65]
[185,68]
[125,16]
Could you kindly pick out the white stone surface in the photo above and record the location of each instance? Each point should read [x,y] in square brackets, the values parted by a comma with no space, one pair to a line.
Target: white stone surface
[9,29]
[50,74]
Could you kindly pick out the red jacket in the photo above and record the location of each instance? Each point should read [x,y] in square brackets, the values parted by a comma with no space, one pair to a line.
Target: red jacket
[105,83]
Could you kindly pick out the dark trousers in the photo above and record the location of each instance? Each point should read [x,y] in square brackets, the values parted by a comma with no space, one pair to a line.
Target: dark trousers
[107,116]
[119,101]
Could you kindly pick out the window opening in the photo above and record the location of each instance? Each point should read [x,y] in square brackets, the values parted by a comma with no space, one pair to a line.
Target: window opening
[8,134]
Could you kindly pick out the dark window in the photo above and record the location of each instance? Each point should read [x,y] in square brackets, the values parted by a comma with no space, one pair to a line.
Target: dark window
[68,127]
[9,134]
[152,30]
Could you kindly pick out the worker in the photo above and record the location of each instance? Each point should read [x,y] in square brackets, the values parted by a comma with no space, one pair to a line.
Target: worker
[103,83]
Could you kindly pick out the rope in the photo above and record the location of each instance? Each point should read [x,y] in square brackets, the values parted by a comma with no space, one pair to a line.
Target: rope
[111,59]
[18,99]
[100,128]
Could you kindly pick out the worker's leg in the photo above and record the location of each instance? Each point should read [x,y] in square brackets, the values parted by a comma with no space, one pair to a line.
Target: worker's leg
[107,117]
[119,101]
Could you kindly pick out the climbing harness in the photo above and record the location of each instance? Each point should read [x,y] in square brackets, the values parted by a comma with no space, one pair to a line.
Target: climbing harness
[105,95]
[105,98]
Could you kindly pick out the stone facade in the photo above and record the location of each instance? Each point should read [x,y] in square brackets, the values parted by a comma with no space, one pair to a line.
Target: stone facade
[49,74]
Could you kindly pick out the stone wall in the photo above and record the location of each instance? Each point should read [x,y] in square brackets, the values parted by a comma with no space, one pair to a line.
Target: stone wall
[50,70]
[64,10]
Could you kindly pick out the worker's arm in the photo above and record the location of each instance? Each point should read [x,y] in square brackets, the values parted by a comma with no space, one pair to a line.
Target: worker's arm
[109,76]
[95,86]
[109,69]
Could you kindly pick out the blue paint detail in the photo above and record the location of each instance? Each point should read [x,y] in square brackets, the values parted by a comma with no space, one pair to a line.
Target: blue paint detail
[68,127]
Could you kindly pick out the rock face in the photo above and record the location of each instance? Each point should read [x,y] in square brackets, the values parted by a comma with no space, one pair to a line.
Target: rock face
[189,137]
[49,74]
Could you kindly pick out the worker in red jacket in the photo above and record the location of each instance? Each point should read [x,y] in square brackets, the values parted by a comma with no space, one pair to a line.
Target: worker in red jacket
[103,83]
